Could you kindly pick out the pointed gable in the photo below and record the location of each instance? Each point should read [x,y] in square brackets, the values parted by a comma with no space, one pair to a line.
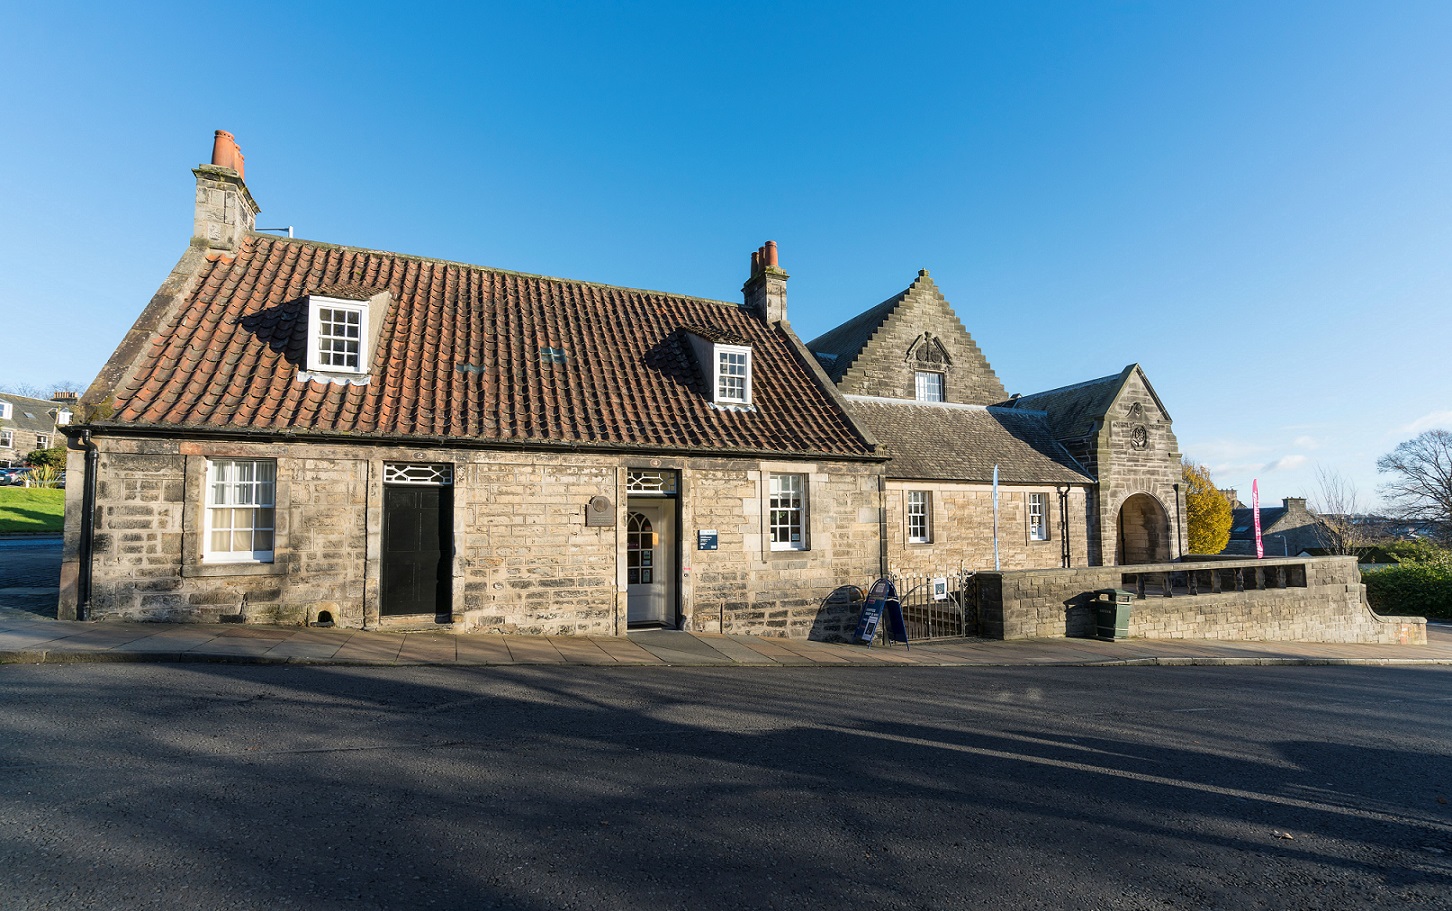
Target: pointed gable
[880,352]
[1077,414]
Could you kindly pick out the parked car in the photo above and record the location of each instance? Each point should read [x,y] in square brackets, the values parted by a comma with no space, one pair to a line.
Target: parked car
[15,477]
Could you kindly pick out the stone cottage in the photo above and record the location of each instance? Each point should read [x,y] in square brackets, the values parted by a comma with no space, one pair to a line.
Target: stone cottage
[1285,531]
[28,424]
[295,431]
[1088,474]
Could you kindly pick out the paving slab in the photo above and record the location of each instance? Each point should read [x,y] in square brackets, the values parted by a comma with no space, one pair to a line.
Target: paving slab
[428,648]
[624,651]
[483,649]
[581,650]
[371,647]
[533,650]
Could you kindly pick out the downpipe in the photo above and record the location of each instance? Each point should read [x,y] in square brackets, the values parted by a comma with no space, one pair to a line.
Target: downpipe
[88,528]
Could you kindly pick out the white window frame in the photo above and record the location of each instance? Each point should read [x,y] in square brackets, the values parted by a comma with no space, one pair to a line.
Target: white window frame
[260,494]
[6,411]
[787,514]
[7,439]
[918,511]
[42,441]
[722,352]
[920,390]
[316,306]
[63,417]
[1038,519]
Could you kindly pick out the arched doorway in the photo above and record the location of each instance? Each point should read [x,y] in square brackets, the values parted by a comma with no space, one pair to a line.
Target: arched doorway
[1144,531]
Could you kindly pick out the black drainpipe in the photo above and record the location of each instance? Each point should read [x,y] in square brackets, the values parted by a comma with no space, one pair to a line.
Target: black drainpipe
[1064,524]
[1178,530]
[88,527]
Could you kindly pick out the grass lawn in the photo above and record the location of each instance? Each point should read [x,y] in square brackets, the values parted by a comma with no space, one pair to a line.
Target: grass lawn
[31,509]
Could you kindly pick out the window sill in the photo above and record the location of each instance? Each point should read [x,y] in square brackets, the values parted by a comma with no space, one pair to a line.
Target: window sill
[232,569]
[336,377]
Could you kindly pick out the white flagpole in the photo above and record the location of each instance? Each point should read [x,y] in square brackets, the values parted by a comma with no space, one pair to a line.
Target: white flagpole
[996,567]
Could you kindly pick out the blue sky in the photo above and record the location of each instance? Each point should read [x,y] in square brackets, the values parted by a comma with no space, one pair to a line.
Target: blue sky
[1253,201]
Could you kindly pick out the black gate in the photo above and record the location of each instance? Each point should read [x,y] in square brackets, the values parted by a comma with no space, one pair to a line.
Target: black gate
[938,607]
[418,536]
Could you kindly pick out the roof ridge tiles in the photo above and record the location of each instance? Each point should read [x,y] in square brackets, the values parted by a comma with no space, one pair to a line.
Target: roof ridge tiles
[322,246]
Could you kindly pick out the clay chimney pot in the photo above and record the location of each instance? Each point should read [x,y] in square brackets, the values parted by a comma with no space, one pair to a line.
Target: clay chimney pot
[771,260]
[225,153]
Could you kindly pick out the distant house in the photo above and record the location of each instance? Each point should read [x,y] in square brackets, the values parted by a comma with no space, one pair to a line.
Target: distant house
[28,424]
[1286,530]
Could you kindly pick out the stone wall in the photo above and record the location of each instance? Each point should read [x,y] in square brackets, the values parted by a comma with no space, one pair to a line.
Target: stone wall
[1322,601]
[961,528]
[525,559]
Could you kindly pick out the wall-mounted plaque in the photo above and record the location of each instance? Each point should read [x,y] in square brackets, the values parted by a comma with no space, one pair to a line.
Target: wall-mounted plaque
[599,513]
[707,539]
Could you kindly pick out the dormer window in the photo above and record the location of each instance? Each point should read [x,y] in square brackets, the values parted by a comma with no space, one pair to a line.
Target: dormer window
[62,417]
[733,375]
[335,335]
[725,361]
[342,336]
[5,411]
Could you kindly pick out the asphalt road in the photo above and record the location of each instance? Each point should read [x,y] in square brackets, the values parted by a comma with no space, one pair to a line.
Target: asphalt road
[30,574]
[215,786]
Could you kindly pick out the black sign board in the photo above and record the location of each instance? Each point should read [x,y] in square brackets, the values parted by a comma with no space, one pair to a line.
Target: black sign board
[881,598]
[706,539]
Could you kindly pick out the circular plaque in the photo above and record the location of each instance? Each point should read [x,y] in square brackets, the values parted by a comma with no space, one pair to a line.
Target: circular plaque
[1139,437]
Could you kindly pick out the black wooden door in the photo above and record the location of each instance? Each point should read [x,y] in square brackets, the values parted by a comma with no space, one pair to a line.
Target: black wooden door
[418,537]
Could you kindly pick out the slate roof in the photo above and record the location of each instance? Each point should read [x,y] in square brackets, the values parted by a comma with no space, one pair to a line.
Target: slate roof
[843,344]
[935,441]
[1242,521]
[459,356]
[1073,409]
[28,414]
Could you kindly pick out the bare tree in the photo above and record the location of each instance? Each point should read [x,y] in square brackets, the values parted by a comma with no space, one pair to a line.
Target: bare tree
[29,390]
[1337,507]
[1421,486]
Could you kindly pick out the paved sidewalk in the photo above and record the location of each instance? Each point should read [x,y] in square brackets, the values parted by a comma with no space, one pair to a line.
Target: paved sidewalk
[32,639]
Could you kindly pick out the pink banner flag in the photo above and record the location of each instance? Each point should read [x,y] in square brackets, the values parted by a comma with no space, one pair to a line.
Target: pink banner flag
[1255,512]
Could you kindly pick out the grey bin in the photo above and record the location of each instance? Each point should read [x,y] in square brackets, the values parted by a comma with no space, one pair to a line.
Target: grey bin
[1113,605]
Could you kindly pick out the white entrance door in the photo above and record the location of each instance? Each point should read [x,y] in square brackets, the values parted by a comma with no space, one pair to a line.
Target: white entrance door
[650,571]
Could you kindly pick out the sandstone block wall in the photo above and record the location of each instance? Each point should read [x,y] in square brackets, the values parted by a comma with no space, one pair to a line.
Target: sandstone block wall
[525,559]
[962,528]
[1330,607]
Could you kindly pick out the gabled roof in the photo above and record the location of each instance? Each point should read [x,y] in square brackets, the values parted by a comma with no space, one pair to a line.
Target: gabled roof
[1242,521]
[855,353]
[838,348]
[30,415]
[1074,410]
[460,355]
[937,441]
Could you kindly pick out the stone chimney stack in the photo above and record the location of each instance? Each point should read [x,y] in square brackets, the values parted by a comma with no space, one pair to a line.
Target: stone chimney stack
[765,290]
[225,211]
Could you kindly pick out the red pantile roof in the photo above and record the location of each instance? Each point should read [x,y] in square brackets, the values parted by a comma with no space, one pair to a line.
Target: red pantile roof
[459,356]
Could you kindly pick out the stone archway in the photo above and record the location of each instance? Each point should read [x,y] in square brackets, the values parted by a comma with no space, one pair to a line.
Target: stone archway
[1144,531]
